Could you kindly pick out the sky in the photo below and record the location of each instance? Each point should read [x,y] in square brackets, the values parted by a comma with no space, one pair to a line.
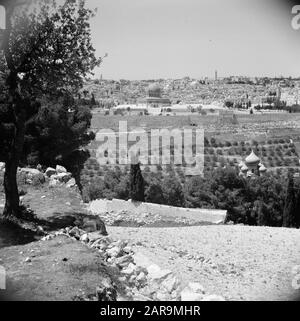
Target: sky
[151,39]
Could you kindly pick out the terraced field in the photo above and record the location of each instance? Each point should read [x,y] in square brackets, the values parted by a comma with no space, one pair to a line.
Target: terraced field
[274,137]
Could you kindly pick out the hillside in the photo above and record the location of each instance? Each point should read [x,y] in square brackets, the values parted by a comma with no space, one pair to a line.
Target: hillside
[237,262]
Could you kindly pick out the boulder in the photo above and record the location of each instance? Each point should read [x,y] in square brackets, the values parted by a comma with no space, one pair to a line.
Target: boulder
[130,269]
[142,260]
[156,273]
[94,224]
[30,171]
[60,169]
[62,177]
[2,166]
[114,251]
[84,238]
[71,183]
[171,283]
[50,171]
[76,232]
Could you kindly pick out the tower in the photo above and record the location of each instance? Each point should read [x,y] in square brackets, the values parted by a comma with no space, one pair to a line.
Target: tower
[216,75]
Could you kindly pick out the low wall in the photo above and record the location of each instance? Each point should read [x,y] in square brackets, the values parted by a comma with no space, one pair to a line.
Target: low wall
[197,214]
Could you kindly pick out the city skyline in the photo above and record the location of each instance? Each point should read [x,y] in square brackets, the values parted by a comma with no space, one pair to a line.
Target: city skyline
[172,39]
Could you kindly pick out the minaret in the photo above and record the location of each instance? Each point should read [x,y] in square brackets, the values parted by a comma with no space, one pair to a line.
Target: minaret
[216,75]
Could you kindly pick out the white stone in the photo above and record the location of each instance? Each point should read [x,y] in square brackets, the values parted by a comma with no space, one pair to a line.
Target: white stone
[62,177]
[213,297]
[142,260]
[2,166]
[156,273]
[114,251]
[141,277]
[170,283]
[50,171]
[188,295]
[130,269]
[84,238]
[60,169]
[196,287]
[71,183]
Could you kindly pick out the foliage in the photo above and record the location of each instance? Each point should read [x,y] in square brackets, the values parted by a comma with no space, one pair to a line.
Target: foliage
[47,55]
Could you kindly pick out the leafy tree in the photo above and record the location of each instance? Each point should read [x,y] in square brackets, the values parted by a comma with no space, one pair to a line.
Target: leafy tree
[172,191]
[47,53]
[136,183]
[122,190]
[154,193]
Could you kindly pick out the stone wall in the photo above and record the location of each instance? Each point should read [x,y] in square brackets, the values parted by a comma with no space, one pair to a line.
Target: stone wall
[197,214]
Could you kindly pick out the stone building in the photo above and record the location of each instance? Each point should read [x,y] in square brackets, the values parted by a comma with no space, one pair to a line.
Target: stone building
[154,98]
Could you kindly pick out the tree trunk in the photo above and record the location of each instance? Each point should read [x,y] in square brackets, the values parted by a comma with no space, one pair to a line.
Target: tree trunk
[11,190]
[12,201]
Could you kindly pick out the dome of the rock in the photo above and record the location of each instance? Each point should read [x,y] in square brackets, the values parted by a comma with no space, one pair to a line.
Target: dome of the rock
[154,90]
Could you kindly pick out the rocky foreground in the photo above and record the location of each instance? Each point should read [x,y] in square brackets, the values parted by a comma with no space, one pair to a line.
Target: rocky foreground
[236,262]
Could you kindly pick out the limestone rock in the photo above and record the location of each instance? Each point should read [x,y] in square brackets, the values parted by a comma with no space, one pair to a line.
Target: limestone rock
[62,177]
[71,183]
[189,295]
[2,166]
[84,238]
[213,297]
[60,169]
[114,251]
[50,171]
[156,273]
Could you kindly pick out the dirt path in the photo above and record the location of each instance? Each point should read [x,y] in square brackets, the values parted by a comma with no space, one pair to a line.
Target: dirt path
[237,262]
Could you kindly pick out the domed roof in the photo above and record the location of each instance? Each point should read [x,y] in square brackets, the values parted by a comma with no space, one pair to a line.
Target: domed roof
[244,168]
[154,91]
[252,159]
[262,168]
[154,87]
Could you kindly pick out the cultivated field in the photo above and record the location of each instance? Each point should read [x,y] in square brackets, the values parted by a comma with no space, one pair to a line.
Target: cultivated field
[274,137]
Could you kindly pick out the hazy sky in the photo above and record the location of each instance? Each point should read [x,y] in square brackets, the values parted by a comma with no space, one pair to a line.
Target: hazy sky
[175,38]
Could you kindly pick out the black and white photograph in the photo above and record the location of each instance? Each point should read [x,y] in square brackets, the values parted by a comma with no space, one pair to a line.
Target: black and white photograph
[149,153]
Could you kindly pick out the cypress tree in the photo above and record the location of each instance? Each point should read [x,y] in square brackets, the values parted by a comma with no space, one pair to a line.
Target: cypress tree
[290,206]
[136,183]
